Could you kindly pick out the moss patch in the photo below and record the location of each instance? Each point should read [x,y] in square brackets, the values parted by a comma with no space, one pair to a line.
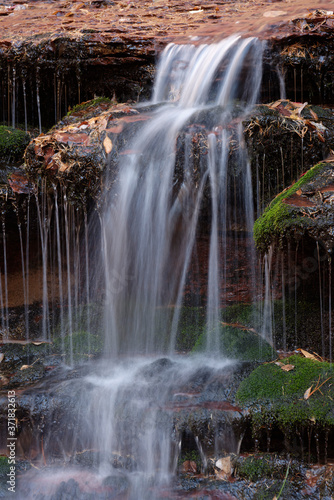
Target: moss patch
[275,396]
[89,105]
[278,216]
[239,343]
[82,344]
[12,143]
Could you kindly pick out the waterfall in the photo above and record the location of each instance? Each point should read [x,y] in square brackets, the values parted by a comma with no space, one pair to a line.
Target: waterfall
[124,408]
[151,216]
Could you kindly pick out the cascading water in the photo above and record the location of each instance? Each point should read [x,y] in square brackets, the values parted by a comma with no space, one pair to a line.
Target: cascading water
[150,220]
[149,225]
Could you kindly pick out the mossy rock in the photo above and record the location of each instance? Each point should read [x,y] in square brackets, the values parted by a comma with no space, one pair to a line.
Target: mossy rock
[12,143]
[279,217]
[276,396]
[239,343]
[190,327]
[89,106]
[80,345]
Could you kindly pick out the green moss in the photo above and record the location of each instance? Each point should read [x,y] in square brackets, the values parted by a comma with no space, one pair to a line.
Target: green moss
[279,216]
[254,468]
[190,328]
[83,344]
[239,343]
[12,143]
[89,104]
[277,396]
[4,466]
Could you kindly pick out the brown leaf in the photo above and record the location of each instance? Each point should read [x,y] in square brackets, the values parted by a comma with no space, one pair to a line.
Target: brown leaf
[24,367]
[287,368]
[107,145]
[1,356]
[307,354]
[299,192]
[320,137]
[308,392]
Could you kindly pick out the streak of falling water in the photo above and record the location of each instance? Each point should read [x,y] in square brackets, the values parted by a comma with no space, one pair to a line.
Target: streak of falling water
[27,265]
[38,101]
[330,306]
[320,303]
[13,97]
[68,263]
[25,104]
[23,268]
[87,274]
[281,79]
[44,218]
[59,262]
[267,332]
[5,270]
[213,310]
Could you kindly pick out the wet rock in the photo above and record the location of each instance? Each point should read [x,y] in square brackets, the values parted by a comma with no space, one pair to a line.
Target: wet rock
[83,151]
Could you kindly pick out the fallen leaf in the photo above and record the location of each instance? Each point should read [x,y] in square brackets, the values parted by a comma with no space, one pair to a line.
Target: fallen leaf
[307,393]
[287,368]
[1,357]
[37,343]
[299,192]
[24,367]
[107,145]
[189,466]
[278,363]
[308,355]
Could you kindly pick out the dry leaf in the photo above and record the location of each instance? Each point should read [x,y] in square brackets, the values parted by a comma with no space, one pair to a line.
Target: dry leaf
[277,103]
[1,357]
[299,192]
[24,367]
[308,392]
[37,343]
[308,355]
[287,368]
[278,363]
[107,145]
